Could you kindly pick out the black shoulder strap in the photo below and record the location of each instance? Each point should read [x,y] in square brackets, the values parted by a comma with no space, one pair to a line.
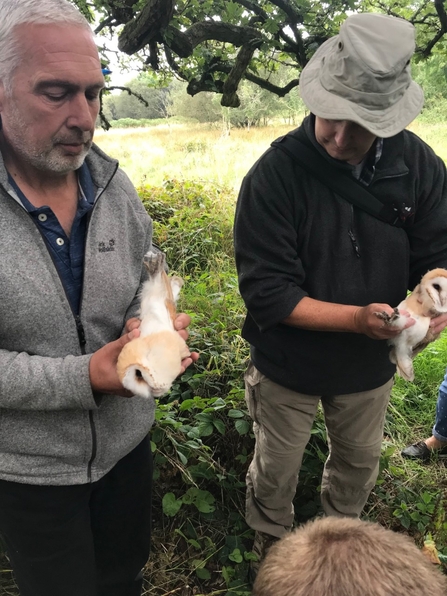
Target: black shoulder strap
[344,185]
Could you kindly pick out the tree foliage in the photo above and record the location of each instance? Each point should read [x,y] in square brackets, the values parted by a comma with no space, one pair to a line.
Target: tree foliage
[428,16]
[214,44]
[139,99]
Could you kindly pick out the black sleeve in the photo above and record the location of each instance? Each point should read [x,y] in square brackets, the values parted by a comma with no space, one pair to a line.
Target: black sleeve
[428,232]
[266,241]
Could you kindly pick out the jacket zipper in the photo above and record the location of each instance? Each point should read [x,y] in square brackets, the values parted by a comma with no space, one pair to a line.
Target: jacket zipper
[81,333]
[351,235]
[387,177]
[354,244]
[82,340]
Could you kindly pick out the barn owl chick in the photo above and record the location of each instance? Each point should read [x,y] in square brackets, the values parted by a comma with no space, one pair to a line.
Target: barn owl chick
[148,365]
[428,300]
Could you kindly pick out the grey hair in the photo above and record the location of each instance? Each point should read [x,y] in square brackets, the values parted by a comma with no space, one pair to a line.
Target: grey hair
[40,12]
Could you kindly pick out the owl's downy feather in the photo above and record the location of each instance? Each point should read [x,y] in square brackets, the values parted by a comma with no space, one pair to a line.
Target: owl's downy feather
[428,300]
[148,365]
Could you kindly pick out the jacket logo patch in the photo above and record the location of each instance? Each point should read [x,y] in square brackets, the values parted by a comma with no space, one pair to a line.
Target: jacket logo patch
[103,247]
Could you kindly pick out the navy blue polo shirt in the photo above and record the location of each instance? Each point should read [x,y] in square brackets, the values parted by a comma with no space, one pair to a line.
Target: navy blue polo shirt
[66,252]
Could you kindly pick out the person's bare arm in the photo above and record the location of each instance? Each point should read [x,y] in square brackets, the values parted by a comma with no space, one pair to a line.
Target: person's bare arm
[102,367]
[317,315]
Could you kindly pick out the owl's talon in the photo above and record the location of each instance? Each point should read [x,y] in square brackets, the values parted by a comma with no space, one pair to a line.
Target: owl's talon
[387,318]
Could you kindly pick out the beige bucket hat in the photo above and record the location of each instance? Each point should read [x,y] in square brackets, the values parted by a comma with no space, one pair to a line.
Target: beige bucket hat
[363,75]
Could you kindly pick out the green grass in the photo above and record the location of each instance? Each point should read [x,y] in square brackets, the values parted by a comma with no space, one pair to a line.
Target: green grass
[212,154]
[435,134]
[398,500]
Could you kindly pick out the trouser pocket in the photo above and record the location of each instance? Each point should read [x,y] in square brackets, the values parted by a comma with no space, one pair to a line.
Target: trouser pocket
[252,392]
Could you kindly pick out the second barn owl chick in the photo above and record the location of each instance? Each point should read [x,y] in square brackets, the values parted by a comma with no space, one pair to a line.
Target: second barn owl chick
[428,300]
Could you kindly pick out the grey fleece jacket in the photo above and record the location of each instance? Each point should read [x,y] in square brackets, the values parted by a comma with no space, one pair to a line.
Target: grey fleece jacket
[53,430]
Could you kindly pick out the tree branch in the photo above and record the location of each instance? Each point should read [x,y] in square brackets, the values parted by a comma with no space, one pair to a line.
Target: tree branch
[425,19]
[121,11]
[414,18]
[426,51]
[301,55]
[264,84]
[254,8]
[290,9]
[108,22]
[147,26]
[439,5]
[387,9]
[152,59]
[152,24]
[442,16]
[229,96]
[218,31]
[173,65]
[129,91]
[104,122]
[208,83]
[178,42]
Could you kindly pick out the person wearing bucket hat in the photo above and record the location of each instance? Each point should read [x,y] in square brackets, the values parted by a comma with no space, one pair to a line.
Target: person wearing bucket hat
[315,263]
[363,75]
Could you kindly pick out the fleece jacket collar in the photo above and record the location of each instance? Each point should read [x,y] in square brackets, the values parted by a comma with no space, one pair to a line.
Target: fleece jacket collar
[390,164]
[102,169]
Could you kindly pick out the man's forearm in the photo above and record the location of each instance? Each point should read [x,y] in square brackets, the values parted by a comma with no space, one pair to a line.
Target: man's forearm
[317,315]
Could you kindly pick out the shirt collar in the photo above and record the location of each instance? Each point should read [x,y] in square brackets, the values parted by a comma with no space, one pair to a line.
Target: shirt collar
[85,182]
[369,168]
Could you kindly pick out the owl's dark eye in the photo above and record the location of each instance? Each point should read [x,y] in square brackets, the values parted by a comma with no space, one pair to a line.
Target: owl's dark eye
[437,287]
[138,374]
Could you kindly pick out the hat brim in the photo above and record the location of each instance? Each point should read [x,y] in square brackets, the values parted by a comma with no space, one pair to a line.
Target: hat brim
[382,123]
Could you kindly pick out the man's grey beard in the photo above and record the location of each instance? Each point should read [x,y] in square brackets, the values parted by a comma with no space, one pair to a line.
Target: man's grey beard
[50,158]
[58,164]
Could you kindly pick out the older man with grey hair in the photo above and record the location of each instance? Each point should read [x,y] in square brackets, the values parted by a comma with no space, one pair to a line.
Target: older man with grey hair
[75,459]
[334,224]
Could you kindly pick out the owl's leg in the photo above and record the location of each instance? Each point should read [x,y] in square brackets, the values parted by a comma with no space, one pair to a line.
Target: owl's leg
[404,362]
[155,262]
[157,308]
[394,320]
[392,355]
[176,284]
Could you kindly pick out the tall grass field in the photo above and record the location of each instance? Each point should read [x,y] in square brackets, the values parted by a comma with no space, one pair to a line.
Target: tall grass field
[203,153]
[187,178]
[152,155]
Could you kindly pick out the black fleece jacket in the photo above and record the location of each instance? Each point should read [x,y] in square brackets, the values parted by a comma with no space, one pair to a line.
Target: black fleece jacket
[294,237]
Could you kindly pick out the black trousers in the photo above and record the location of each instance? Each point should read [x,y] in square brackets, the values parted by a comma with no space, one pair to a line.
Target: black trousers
[81,540]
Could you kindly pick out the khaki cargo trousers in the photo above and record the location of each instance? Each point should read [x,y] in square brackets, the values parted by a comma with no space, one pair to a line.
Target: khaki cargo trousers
[282,422]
